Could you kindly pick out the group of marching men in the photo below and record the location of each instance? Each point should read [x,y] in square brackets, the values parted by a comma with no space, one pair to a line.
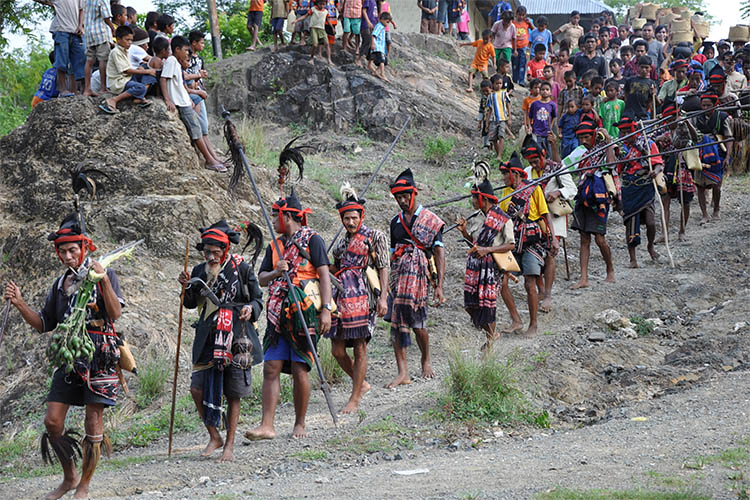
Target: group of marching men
[519,230]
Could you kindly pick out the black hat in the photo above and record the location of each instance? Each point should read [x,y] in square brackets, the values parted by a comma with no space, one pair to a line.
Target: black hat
[586,127]
[404,180]
[531,148]
[716,75]
[514,165]
[68,227]
[627,123]
[292,204]
[484,189]
[218,234]
[708,45]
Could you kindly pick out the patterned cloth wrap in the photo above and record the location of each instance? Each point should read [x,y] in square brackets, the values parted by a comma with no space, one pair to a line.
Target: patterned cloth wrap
[100,374]
[713,169]
[592,191]
[638,191]
[677,176]
[528,233]
[354,303]
[281,313]
[408,285]
[480,284]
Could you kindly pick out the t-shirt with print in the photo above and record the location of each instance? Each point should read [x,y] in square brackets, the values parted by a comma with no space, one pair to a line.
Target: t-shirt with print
[503,37]
[48,86]
[522,33]
[610,112]
[638,96]
[535,69]
[544,37]
[172,71]
[542,114]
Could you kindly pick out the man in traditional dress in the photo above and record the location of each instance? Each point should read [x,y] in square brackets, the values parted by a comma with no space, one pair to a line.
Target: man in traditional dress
[534,235]
[417,256]
[558,191]
[286,348]
[358,301]
[592,203]
[677,135]
[715,126]
[638,192]
[494,235]
[226,343]
[92,384]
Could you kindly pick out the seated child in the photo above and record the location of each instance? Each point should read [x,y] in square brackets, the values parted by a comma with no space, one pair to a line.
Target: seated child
[125,81]
[48,85]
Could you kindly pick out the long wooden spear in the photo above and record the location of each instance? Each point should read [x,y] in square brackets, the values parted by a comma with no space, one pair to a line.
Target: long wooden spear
[657,195]
[179,342]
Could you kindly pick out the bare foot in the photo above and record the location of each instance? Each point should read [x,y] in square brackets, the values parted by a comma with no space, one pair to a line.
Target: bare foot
[299,431]
[350,407]
[82,492]
[653,254]
[513,328]
[61,490]
[582,283]
[633,264]
[427,371]
[610,278]
[260,432]
[546,305]
[704,220]
[226,456]
[385,79]
[659,240]
[681,236]
[91,93]
[715,216]
[213,445]
[470,90]
[530,332]
[366,387]
[401,379]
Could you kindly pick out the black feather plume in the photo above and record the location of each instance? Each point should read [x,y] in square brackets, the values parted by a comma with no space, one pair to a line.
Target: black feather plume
[254,237]
[85,179]
[293,155]
[236,148]
[65,446]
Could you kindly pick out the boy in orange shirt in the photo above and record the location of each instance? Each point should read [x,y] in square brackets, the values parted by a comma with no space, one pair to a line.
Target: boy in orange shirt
[536,65]
[534,87]
[523,29]
[485,51]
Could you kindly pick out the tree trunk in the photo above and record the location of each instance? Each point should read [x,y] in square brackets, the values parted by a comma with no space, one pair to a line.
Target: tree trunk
[213,20]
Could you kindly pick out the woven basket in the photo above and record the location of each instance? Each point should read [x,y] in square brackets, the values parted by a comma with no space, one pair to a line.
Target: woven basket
[649,11]
[639,23]
[679,25]
[739,33]
[667,18]
[701,28]
[634,12]
[682,36]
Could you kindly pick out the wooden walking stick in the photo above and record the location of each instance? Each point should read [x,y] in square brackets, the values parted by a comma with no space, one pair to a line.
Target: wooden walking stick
[657,195]
[179,342]
[567,266]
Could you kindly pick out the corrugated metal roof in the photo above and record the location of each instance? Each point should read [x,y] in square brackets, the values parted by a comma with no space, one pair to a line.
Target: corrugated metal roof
[563,6]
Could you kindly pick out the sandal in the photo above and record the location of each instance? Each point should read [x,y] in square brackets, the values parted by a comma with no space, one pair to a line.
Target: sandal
[105,107]
[145,104]
[217,168]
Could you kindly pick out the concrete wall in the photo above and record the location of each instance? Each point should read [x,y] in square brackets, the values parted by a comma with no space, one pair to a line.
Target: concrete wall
[406,14]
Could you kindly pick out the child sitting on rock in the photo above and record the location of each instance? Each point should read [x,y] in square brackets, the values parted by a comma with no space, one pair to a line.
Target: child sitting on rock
[125,81]
[176,97]
[48,85]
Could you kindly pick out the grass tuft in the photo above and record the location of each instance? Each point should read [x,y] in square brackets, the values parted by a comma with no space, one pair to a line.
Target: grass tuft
[485,390]
[597,494]
[332,371]
[642,326]
[437,149]
[152,378]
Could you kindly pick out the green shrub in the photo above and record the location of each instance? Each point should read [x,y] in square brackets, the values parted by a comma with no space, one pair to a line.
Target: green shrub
[235,37]
[20,73]
[437,149]
[642,326]
[152,377]
[486,390]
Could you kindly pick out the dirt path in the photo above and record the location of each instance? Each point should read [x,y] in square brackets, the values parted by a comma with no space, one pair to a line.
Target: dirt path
[688,378]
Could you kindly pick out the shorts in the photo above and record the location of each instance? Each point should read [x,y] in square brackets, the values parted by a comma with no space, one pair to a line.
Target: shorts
[69,54]
[530,264]
[586,221]
[379,58]
[277,24]
[318,35]
[504,53]
[429,26]
[190,119]
[474,70]
[282,351]
[352,25]
[237,382]
[69,388]
[701,180]
[254,17]
[99,52]
[453,19]
[299,27]
[136,89]
[202,116]
[496,131]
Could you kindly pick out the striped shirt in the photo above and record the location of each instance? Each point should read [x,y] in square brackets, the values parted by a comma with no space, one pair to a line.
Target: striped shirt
[96,30]
[378,34]
[498,104]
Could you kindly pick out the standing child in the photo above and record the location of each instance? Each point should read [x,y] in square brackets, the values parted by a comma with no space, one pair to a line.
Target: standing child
[318,15]
[610,110]
[542,114]
[255,20]
[523,29]
[588,113]
[535,69]
[503,74]
[378,53]
[549,76]
[98,32]
[499,115]
[504,33]
[534,87]
[571,90]
[562,66]
[48,85]
[279,13]
[615,68]
[595,90]
[177,98]
[124,81]
[568,123]
[540,34]
[463,25]
[301,8]
[483,117]
[386,7]
[333,19]
[428,23]
[484,52]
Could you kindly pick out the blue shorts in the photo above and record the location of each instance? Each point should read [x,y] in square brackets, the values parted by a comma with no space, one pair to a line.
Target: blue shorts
[69,54]
[277,24]
[136,89]
[282,352]
[254,17]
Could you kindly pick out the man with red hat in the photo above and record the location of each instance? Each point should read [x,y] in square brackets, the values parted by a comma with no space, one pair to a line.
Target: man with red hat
[92,384]
[494,235]
[676,135]
[224,334]
[714,125]
[592,202]
[638,192]
[359,300]
[417,256]
[286,349]
[534,235]
[717,79]
[560,188]
[668,90]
